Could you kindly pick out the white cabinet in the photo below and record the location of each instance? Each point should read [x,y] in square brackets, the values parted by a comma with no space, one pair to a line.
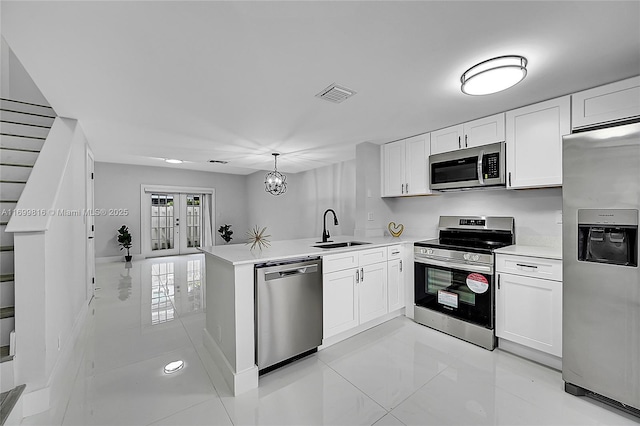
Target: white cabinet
[473,133]
[605,104]
[340,302]
[529,302]
[404,167]
[355,294]
[534,143]
[395,278]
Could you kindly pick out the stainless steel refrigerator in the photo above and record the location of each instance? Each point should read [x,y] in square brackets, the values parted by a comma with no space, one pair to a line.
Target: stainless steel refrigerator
[601,278]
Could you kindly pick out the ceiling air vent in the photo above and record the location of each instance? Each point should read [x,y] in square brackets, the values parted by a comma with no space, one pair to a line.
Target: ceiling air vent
[218,161]
[335,93]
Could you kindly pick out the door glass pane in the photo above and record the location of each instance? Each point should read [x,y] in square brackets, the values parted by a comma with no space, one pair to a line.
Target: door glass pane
[193,220]
[162,292]
[161,221]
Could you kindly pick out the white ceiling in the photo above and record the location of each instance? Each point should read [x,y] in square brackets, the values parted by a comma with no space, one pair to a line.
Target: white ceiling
[236,81]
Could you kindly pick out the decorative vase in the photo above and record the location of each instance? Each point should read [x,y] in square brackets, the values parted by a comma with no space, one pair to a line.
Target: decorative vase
[128,258]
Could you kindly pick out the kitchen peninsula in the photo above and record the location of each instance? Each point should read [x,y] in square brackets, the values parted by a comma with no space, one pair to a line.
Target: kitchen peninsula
[229,333]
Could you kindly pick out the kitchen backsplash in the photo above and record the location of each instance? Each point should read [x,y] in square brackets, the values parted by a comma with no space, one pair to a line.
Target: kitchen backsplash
[537,212]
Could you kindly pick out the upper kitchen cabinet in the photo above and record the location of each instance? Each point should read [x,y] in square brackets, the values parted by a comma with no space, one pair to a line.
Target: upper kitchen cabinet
[606,104]
[473,133]
[404,167]
[534,143]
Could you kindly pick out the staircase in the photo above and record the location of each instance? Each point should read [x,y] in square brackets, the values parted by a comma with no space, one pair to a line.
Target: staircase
[24,127]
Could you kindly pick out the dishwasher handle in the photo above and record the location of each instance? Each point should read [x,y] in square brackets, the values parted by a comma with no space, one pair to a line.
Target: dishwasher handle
[269,276]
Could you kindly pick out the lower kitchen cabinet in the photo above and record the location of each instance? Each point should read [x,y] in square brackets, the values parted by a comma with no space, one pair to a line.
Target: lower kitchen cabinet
[395,279]
[354,295]
[529,302]
[340,302]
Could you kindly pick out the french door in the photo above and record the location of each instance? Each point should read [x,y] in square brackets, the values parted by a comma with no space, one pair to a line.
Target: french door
[174,223]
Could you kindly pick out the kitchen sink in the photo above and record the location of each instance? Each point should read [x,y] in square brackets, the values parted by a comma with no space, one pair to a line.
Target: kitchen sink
[340,245]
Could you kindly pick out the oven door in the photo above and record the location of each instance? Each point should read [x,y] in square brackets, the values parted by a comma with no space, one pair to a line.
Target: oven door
[462,291]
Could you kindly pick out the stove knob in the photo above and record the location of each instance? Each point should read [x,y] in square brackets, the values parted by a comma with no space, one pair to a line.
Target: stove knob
[476,257]
[466,256]
[429,251]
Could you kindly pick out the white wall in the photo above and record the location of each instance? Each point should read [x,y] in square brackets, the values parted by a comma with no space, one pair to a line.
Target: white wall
[15,82]
[535,211]
[298,213]
[118,186]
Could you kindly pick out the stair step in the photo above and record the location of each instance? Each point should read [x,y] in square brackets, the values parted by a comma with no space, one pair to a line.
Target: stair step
[11,189]
[7,294]
[4,354]
[17,142]
[8,172]
[6,278]
[7,312]
[11,156]
[6,238]
[12,148]
[12,114]
[17,129]
[9,402]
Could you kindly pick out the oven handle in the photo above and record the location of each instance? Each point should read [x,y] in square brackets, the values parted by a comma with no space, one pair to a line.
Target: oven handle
[455,265]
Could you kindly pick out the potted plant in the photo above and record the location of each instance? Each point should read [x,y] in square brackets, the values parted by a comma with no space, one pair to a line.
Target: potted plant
[226,233]
[124,239]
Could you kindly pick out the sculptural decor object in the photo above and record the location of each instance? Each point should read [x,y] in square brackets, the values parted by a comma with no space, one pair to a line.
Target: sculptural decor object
[395,230]
[257,238]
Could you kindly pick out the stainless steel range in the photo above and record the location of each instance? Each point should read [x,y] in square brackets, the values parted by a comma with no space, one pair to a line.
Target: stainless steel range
[454,276]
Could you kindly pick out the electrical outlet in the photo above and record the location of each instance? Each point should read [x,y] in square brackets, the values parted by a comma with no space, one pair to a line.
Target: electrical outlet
[370,216]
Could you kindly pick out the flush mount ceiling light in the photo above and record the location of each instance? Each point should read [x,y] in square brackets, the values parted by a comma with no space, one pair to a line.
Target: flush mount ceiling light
[275,182]
[494,75]
[173,161]
[174,366]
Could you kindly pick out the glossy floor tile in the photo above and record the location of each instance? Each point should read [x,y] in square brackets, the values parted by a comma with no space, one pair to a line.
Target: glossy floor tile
[148,313]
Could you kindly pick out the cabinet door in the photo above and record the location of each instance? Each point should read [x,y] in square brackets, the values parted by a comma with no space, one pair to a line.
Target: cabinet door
[484,131]
[609,103]
[448,139]
[372,291]
[417,161]
[395,285]
[340,302]
[393,176]
[529,312]
[534,143]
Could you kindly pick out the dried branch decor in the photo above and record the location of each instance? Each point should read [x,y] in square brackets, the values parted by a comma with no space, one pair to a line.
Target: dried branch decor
[257,238]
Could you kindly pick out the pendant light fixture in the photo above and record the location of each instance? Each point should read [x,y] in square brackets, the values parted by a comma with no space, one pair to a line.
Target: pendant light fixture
[275,182]
[494,75]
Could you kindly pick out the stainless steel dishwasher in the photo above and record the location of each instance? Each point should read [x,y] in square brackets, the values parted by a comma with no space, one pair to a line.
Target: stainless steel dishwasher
[288,310]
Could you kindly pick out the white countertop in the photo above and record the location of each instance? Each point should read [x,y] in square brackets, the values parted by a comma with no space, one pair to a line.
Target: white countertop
[238,254]
[533,251]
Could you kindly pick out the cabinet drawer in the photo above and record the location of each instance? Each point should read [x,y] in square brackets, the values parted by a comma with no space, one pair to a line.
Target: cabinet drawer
[537,267]
[394,252]
[340,261]
[367,257]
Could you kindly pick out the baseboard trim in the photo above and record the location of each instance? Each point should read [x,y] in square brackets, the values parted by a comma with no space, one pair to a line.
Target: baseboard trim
[359,329]
[534,355]
[238,382]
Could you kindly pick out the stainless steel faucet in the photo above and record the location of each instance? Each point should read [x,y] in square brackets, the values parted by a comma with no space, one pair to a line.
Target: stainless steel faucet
[325,233]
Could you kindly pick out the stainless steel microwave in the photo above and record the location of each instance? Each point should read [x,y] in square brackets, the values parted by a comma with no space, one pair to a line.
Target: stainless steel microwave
[481,166]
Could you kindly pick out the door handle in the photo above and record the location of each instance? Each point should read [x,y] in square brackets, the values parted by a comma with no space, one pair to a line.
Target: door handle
[465,141]
[480,161]
[91,238]
[498,281]
[362,274]
[357,276]
[401,266]
[402,191]
[459,142]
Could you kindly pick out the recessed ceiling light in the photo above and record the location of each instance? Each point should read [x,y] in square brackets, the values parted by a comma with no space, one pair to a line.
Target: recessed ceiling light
[173,366]
[494,75]
[173,161]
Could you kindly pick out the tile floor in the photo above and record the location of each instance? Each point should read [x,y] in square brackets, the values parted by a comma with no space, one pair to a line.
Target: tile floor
[394,374]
